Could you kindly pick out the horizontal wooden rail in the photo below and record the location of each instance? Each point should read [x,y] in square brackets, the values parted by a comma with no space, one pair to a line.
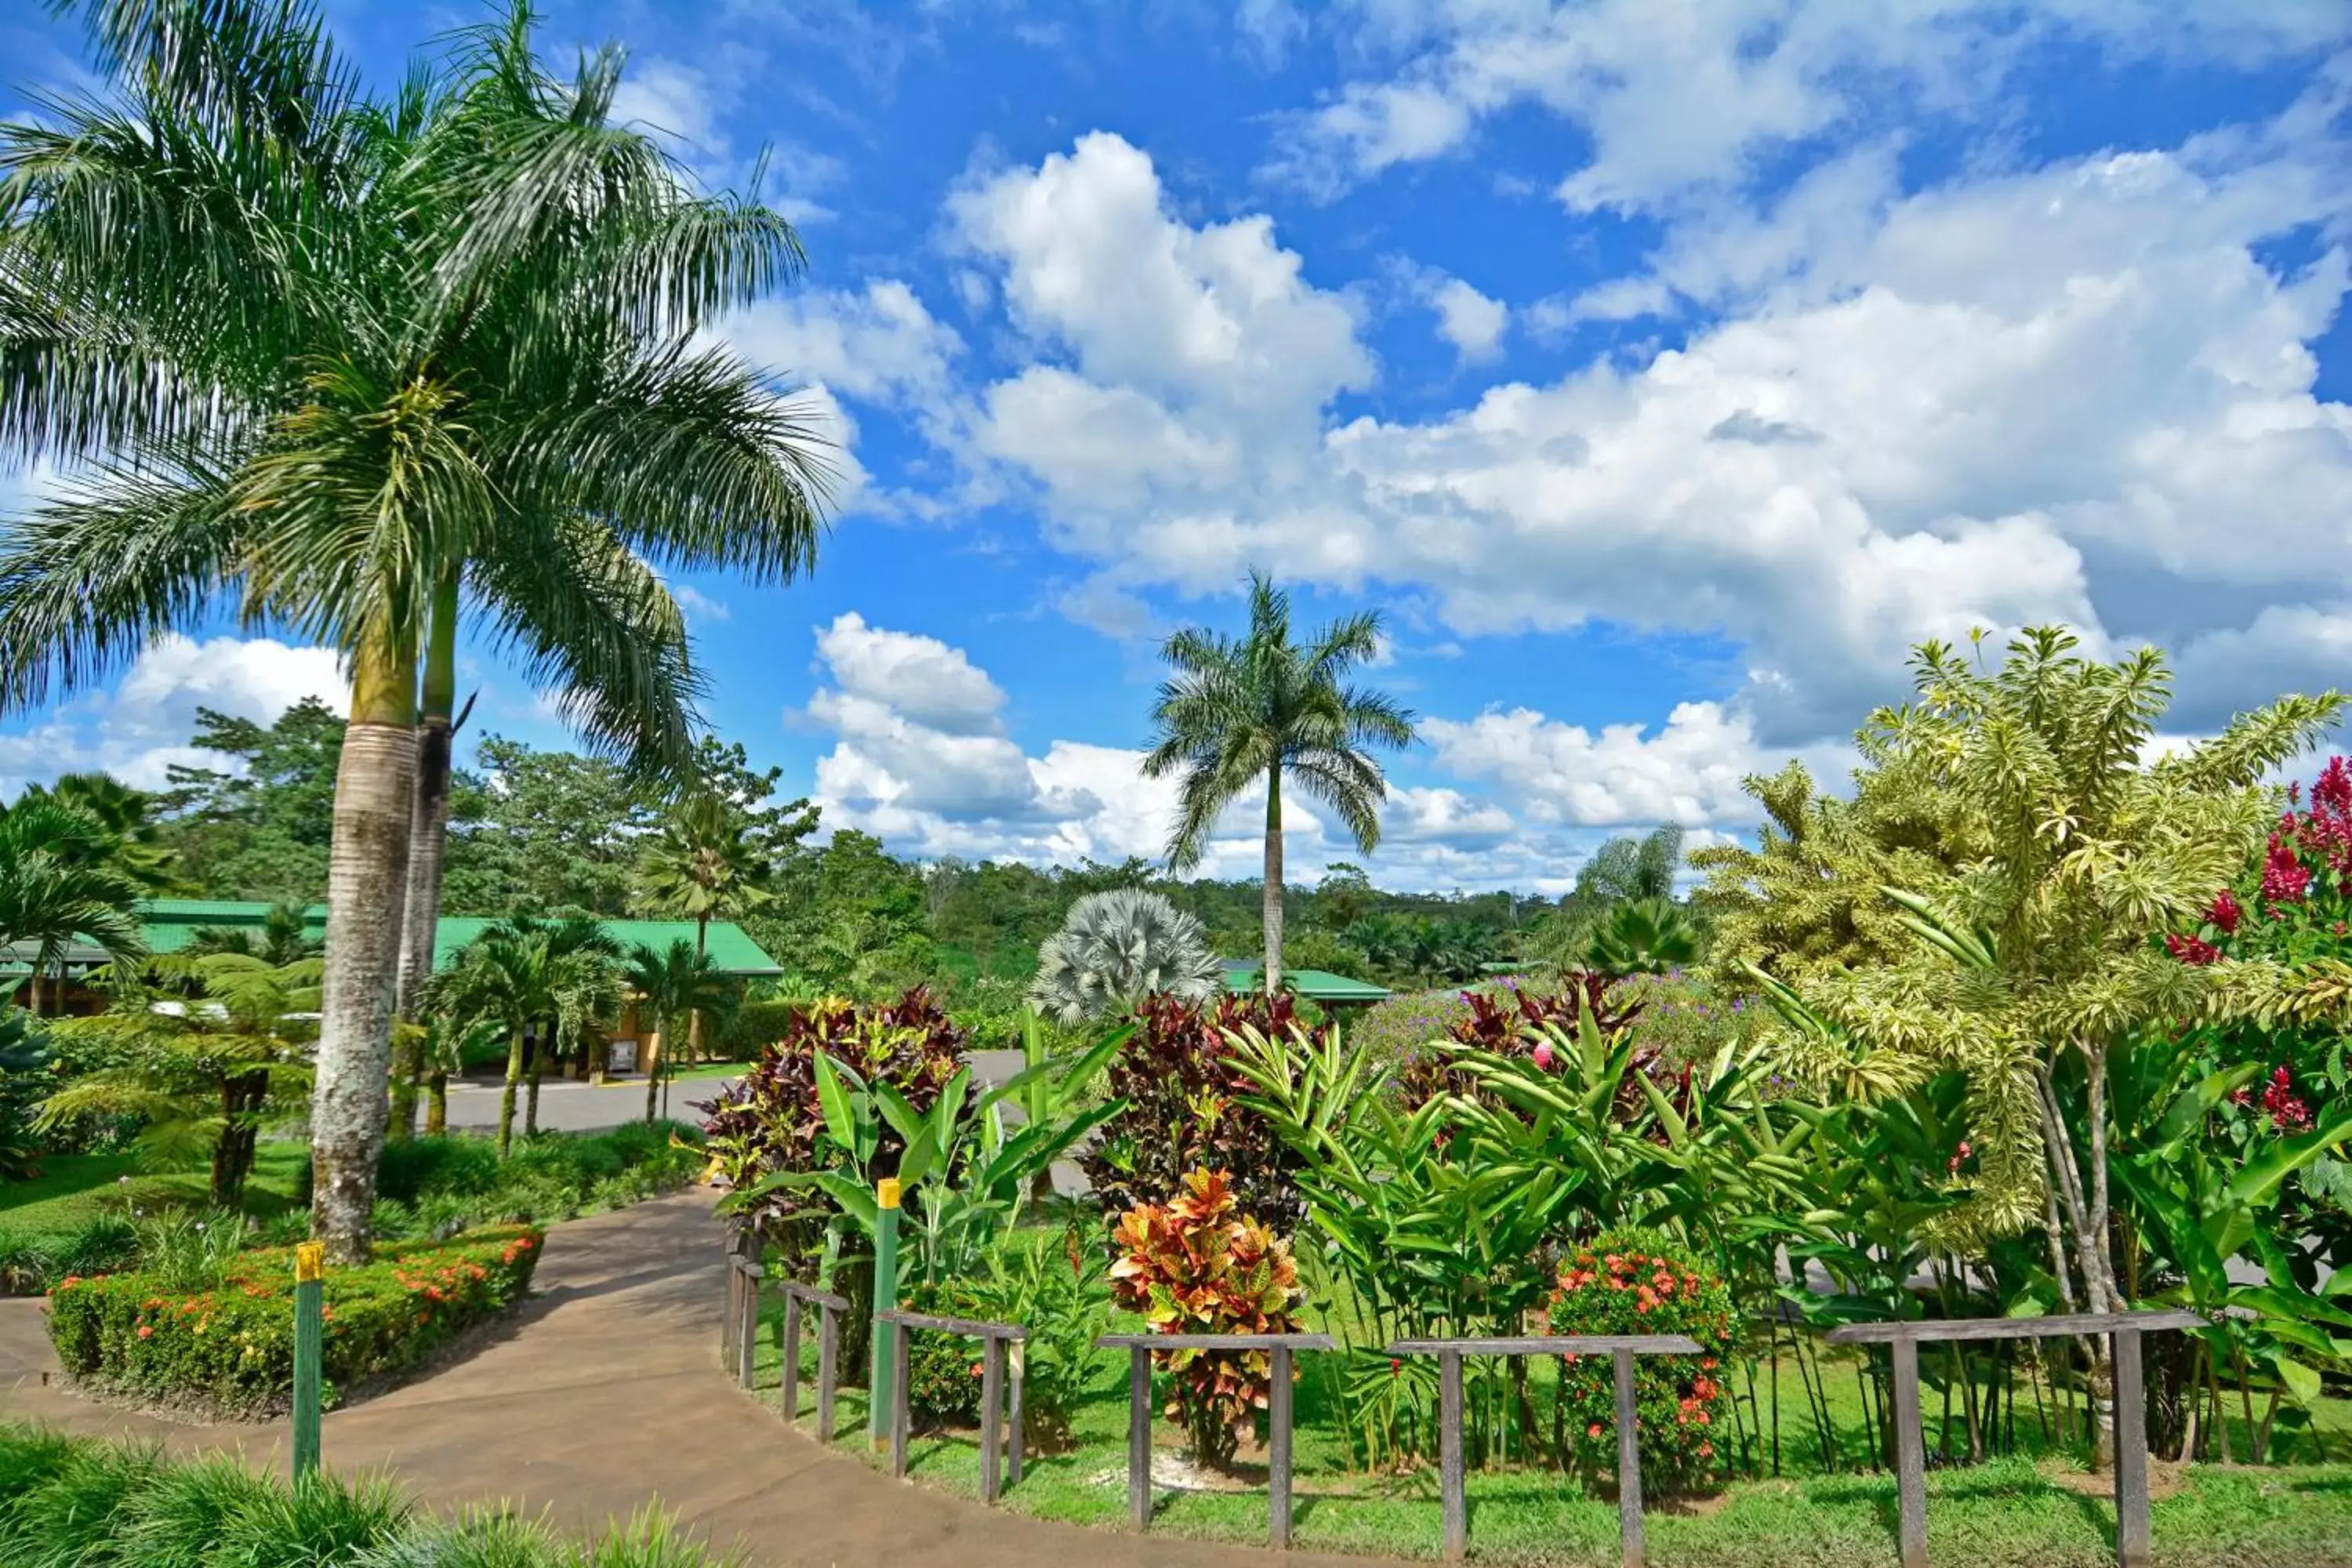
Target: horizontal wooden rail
[1279,1348]
[1620,1348]
[995,1339]
[2130,1407]
[797,1299]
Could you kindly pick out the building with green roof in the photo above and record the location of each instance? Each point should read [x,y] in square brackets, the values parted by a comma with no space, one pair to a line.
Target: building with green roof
[1318,985]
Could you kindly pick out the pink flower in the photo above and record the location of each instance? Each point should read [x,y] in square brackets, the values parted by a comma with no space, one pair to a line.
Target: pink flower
[1543,1054]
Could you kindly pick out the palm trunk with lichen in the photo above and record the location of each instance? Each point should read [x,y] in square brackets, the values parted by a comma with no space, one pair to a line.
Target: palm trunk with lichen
[428,842]
[1272,907]
[367,880]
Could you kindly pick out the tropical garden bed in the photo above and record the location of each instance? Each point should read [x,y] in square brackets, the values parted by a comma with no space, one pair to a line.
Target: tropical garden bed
[214,1333]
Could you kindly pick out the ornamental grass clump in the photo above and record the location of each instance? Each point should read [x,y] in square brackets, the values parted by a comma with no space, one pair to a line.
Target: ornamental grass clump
[228,1348]
[1637,1282]
[1197,1265]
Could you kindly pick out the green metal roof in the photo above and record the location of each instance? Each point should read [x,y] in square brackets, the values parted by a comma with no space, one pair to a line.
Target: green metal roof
[171,923]
[1314,985]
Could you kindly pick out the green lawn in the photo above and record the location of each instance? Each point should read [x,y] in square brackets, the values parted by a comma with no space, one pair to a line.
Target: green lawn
[73,1189]
[2010,1513]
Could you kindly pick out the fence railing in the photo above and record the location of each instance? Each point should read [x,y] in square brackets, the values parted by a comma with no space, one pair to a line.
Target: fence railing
[996,1340]
[1279,1348]
[1003,1347]
[1620,1348]
[828,1345]
[2130,1405]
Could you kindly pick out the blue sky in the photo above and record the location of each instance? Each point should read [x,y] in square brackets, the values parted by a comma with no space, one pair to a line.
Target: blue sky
[1661,369]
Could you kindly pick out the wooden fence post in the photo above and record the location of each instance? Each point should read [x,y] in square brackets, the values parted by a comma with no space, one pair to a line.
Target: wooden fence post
[1449,1455]
[1629,1462]
[899,1404]
[2131,1453]
[1138,1436]
[1019,1352]
[828,1345]
[1910,1455]
[991,1417]
[1277,1432]
[789,1354]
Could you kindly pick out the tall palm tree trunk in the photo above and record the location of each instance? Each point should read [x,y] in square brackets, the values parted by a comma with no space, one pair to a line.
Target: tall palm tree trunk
[1273,906]
[694,1019]
[367,882]
[657,1040]
[436,1103]
[428,841]
[540,1048]
[507,1095]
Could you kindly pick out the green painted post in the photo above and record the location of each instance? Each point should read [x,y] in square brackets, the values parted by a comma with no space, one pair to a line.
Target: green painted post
[310,1316]
[886,1299]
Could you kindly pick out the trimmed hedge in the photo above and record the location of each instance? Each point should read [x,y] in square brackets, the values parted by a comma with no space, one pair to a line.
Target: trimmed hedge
[229,1349]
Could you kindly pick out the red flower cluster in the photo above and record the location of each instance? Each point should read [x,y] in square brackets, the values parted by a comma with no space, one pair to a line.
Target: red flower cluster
[2287,1111]
[2225,912]
[2191,949]
[1959,1157]
[2284,878]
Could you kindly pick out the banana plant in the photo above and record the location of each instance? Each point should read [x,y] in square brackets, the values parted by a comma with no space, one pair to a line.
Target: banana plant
[964,1174]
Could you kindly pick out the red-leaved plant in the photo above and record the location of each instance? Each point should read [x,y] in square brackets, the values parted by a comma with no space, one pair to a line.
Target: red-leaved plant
[1197,1265]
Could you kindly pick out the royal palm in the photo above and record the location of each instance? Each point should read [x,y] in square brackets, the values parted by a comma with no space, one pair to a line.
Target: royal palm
[355,368]
[1239,713]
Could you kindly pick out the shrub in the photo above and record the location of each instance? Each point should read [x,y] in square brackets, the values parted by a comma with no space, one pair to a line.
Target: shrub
[432,1187]
[768,1121]
[1400,1026]
[411,1167]
[1062,1295]
[1636,1283]
[942,1370]
[230,1348]
[1184,1113]
[1683,1023]
[1199,1266]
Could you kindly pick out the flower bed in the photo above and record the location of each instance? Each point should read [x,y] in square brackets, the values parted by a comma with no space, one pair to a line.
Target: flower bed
[228,1348]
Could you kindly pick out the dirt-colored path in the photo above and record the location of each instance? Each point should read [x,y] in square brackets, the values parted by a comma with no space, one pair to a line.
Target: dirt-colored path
[608,1394]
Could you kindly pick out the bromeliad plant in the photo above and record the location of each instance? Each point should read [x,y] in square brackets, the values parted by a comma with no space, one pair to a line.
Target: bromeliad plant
[1197,1265]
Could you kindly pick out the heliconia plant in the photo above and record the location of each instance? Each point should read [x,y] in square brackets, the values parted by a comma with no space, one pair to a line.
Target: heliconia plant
[1197,1265]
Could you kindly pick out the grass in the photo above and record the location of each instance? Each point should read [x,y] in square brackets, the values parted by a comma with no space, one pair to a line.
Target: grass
[77,1503]
[2011,1512]
[74,1188]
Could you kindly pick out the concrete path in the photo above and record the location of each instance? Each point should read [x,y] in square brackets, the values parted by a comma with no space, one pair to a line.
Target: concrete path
[606,1395]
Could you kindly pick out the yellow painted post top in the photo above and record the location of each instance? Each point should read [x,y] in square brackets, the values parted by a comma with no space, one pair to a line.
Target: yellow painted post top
[886,1191]
[309,1261]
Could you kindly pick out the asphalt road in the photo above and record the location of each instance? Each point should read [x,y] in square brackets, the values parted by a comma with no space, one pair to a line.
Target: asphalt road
[567,1107]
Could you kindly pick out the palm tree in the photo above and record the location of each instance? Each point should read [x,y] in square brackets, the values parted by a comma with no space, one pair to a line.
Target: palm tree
[350,367]
[675,983]
[135,840]
[284,938]
[532,977]
[1236,713]
[702,866]
[60,885]
[1629,868]
[1116,948]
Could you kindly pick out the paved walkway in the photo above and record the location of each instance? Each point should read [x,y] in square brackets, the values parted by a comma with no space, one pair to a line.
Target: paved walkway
[607,1394]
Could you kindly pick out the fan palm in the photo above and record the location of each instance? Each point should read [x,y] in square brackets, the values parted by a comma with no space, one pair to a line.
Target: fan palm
[673,982]
[354,367]
[60,884]
[1238,713]
[1116,948]
[1642,936]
